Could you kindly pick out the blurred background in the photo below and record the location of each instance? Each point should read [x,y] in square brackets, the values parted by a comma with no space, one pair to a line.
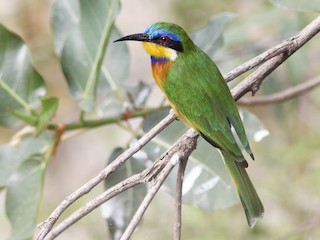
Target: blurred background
[286,172]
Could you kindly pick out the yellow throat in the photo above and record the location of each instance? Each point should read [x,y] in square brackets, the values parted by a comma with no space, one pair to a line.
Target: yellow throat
[158,51]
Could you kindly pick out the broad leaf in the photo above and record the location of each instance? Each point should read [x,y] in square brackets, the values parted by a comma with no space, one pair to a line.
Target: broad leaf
[306,5]
[20,83]
[11,157]
[119,210]
[207,183]
[23,197]
[21,173]
[210,38]
[82,32]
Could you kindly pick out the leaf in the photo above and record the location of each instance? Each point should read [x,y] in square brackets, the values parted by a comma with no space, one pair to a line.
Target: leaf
[306,5]
[11,157]
[27,118]
[119,210]
[20,83]
[255,129]
[207,183]
[82,31]
[21,173]
[23,198]
[49,108]
[210,38]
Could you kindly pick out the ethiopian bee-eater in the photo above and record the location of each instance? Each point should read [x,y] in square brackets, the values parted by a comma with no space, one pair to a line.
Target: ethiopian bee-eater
[200,97]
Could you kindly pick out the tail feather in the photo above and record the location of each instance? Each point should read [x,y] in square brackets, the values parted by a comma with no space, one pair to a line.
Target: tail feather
[249,198]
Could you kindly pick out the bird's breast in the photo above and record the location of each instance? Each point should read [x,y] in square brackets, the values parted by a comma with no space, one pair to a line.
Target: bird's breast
[160,70]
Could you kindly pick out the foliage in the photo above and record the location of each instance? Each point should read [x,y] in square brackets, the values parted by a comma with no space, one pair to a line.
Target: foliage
[95,72]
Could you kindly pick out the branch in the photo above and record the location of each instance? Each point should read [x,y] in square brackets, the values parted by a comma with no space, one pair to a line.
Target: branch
[180,151]
[163,163]
[96,202]
[103,121]
[282,96]
[178,200]
[47,225]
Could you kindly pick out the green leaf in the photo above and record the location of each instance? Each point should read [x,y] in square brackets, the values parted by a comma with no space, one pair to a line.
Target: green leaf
[306,5]
[11,157]
[21,173]
[49,108]
[210,38]
[23,198]
[27,118]
[82,31]
[207,183]
[20,83]
[119,210]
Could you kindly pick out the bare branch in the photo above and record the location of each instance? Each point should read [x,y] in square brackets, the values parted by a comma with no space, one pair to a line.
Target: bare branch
[181,150]
[162,164]
[96,202]
[146,201]
[46,226]
[178,200]
[282,96]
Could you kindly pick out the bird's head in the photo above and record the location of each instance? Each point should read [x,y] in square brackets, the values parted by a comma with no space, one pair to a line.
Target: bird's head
[162,40]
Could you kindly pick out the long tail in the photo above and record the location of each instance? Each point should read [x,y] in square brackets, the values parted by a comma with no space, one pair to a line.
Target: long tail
[249,198]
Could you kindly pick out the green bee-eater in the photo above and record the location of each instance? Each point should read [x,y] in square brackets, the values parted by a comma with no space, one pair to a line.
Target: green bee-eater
[201,98]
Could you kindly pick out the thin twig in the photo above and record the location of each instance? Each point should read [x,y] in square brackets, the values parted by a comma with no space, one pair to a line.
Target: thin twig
[178,200]
[96,202]
[47,225]
[281,96]
[146,201]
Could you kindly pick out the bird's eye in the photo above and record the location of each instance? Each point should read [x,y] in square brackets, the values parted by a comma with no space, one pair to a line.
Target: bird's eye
[164,39]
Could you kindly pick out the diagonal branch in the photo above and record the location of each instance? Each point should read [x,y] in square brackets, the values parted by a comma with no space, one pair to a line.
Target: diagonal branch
[163,164]
[282,96]
[47,225]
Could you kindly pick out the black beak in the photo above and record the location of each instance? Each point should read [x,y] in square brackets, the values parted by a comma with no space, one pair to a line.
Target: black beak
[142,37]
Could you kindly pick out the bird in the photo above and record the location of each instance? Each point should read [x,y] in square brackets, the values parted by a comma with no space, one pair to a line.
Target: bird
[201,98]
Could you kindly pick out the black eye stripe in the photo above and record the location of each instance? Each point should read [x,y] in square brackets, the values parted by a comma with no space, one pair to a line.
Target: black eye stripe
[168,42]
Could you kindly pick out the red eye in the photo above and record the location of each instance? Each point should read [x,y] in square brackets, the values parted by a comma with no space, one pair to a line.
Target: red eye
[164,39]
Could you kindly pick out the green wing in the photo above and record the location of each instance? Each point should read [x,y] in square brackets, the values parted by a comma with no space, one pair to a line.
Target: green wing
[207,102]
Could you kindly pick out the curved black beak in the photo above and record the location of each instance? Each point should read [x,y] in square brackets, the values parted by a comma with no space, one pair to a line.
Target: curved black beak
[142,37]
